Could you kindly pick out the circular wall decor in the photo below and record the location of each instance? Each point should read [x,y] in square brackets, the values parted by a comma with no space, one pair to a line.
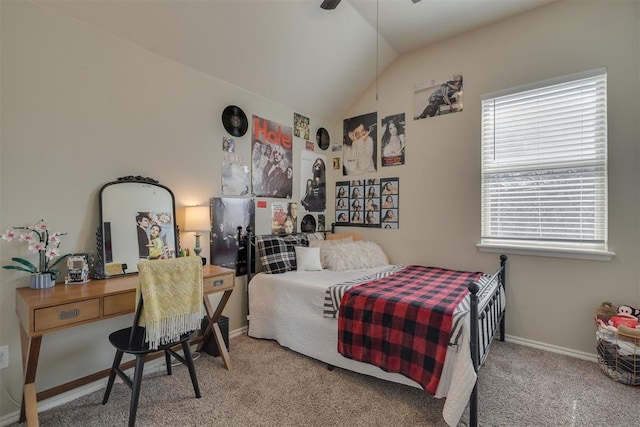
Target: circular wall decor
[235,121]
[322,138]
[308,224]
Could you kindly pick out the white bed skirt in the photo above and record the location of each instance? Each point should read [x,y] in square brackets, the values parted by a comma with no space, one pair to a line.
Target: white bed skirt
[288,308]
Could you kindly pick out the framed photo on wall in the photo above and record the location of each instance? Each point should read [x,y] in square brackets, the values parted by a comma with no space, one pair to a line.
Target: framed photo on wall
[368,203]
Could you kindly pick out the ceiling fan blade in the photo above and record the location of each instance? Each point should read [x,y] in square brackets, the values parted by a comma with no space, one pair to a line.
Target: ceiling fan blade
[330,4]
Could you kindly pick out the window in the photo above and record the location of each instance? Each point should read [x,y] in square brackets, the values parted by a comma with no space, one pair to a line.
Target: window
[544,167]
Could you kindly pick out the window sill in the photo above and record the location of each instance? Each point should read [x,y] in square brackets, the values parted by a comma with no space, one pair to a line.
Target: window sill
[547,251]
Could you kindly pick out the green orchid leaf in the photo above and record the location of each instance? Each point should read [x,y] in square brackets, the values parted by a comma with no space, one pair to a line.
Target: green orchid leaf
[16,267]
[32,268]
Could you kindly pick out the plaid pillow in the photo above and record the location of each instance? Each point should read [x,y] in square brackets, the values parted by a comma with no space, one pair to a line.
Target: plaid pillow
[278,254]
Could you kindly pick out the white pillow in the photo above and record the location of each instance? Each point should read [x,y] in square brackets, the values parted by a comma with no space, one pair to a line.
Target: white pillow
[325,247]
[308,259]
[351,256]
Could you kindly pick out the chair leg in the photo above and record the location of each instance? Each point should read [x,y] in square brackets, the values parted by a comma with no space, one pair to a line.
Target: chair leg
[135,390]
[112,376]
[192,370]
[167,358]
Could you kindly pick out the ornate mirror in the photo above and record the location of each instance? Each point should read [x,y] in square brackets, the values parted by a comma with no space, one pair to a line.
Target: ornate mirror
[137,221]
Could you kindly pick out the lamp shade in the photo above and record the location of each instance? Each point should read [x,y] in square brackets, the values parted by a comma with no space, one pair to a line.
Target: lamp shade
[196,218]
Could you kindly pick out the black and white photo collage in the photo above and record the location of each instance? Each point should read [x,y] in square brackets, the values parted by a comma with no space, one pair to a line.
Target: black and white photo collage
[368,203]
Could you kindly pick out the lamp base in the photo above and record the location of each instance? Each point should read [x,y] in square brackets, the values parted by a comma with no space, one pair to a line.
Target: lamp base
[197,248]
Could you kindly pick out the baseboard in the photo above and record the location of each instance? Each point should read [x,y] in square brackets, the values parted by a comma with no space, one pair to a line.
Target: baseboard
[150,367]
[238,332]
[591,357]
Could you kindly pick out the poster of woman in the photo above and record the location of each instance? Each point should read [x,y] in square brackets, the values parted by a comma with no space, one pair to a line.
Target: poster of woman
[359,150]
[313,182]
[393,140]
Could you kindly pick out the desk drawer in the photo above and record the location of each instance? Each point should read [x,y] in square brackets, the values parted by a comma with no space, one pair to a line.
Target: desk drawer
[120,304]
[218,283]
[65,314]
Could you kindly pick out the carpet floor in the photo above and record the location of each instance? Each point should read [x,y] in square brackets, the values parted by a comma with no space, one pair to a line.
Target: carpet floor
[273,386]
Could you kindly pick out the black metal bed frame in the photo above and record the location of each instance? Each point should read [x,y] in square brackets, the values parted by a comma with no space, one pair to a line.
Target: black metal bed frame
[489,317]
[482,330]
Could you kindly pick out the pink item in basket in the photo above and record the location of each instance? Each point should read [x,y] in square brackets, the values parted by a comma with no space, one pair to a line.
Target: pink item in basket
[624,319]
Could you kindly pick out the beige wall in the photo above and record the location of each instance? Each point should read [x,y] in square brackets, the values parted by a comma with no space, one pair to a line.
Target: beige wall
[551,301]
[81,108]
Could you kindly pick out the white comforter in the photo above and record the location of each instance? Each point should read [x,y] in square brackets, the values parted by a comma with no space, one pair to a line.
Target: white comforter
[288,308]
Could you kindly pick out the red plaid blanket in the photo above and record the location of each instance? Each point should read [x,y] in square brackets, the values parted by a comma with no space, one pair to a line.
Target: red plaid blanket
[402,323]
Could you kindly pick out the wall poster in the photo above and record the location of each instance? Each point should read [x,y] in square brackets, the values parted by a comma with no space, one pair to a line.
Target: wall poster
[313,181]
[301,126]
[228,215]
[271,159]
[235,179]
[359,149]
[393,140]
[437,97]
[368,203]
[278,216]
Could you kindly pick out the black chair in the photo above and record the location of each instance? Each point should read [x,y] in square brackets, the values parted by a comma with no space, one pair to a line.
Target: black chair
[132,341]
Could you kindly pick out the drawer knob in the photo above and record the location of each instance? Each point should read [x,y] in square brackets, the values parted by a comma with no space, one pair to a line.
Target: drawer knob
[218,282]
[68,314]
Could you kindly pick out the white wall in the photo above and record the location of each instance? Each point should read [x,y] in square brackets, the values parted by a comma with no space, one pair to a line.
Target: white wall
[550,300]
[81,108]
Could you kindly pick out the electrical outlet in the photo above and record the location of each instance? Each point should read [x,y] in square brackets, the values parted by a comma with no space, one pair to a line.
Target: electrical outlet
[4,356]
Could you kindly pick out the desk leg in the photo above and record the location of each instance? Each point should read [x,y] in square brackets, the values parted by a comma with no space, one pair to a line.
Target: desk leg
[215,329]
[30,355]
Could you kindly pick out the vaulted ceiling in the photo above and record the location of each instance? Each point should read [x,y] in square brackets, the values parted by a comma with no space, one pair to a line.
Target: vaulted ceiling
[291,51]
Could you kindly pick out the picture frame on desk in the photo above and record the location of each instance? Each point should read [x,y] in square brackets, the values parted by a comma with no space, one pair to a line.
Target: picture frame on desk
[77,269]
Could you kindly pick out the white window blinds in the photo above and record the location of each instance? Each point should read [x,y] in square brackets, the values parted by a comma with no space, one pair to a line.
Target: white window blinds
[544,163]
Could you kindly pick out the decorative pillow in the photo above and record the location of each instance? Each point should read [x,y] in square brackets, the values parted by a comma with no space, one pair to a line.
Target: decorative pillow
[277,254]
[325,247]
[351,256]
[308,259]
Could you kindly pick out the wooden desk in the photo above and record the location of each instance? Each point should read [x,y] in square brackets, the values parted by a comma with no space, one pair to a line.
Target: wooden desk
[41,311]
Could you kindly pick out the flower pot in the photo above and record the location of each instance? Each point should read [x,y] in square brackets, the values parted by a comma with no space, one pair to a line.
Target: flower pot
[42,281]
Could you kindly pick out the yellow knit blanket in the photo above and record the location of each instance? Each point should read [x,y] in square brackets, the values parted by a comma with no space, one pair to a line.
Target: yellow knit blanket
[172,292]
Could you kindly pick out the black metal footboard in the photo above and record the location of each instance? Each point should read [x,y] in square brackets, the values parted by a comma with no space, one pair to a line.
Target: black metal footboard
[485,320]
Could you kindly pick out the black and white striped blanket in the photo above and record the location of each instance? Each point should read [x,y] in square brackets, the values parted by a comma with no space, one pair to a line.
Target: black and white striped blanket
[334,293]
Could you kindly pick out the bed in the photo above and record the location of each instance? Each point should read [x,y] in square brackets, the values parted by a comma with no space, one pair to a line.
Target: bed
[297,302]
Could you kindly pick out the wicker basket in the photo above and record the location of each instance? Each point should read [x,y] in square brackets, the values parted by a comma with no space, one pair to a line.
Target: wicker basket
[618,355]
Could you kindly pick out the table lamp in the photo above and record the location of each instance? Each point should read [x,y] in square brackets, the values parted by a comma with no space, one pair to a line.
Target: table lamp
[197,219]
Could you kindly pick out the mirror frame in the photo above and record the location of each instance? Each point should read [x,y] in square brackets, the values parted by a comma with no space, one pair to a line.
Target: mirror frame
[99,270]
